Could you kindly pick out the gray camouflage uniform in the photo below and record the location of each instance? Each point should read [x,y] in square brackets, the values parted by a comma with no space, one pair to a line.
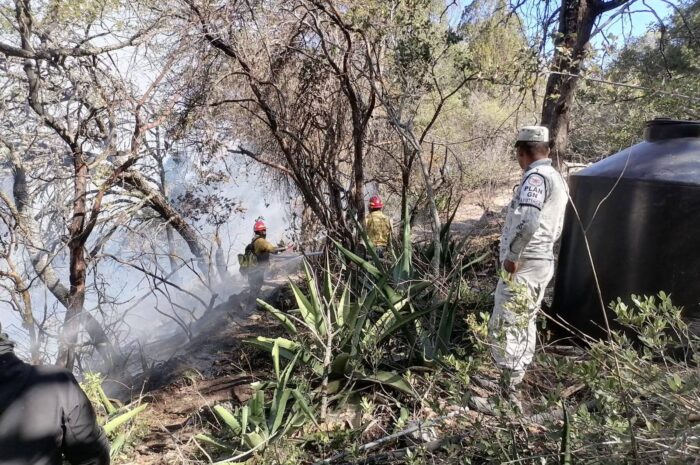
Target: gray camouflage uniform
[533,224]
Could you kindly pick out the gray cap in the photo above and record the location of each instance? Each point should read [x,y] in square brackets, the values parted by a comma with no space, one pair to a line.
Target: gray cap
[533,134]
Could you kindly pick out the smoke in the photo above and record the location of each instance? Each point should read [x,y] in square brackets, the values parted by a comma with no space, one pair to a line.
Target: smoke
[141,306]
[148,325]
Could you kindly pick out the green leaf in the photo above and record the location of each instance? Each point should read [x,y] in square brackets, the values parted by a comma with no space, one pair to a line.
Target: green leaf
[371,335]
[366,306]
[257,407]
[417,288]
[351,317]
[479,259]
[112,425]
[361,262]
[288,324]
[297,420]
[316,303]
[328,289]
[398,323]
[448,251]
[284,343]
[288,349]
[109,407]
[404,415]
[340,363]
[446,325]
[301,402]
[391,296]
[404,268]
[343,317]
[396,304]
[278,409]
[334,387]
[391,379]
[254,440]
[228,418]
[288,372]
[117,445]
[565,449]
[276,358]
[674,382]
[308,314]
[206,439]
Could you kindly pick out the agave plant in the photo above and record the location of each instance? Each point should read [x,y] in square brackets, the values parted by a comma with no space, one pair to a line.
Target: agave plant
[347,327]
[341,330]
[429,340]
[260,422]
[451,250]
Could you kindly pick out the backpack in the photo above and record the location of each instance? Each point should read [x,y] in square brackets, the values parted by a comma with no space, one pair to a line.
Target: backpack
[248,259]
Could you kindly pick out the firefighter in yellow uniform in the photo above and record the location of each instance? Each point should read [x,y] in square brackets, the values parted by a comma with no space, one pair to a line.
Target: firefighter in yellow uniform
[261,249]
[378,226]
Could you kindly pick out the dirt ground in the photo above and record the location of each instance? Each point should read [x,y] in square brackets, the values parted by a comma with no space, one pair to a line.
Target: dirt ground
[213,368]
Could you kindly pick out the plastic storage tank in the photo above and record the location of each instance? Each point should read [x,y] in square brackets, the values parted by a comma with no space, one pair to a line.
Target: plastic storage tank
[641,212]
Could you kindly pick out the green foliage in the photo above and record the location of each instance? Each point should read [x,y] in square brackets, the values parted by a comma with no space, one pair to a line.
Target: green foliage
[452,250]
[265,418]
[495,43]
[431,337]
[118,421]
[609,118]
[418,38]
[642,383]
[344,334]
[92,386]
[361,325]
[636,396]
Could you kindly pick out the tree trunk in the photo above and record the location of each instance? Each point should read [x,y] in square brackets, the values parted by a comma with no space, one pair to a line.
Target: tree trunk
[576,21]
[436,223]
[405,179]
[41,261]
[358,168]
[161,205]
[78,265]
[406,168]
[28,319]
[160,155]
[27,315]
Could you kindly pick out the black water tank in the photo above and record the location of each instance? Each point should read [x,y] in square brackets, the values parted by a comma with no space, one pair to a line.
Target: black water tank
[641,212]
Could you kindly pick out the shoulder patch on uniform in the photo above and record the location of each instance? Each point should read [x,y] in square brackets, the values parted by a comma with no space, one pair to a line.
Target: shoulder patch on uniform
[533,191]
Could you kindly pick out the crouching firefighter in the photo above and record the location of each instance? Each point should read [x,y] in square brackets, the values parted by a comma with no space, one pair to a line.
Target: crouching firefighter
[45,418]
[533,224]
[378,226]
[255,262]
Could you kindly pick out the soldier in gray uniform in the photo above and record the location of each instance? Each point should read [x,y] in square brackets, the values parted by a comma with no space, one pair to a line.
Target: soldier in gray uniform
[533,224]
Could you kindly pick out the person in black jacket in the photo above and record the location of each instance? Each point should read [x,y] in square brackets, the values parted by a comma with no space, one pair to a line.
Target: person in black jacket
[45,416]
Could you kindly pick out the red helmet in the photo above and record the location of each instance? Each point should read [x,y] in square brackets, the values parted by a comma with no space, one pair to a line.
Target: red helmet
[375,202]
[259,226]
